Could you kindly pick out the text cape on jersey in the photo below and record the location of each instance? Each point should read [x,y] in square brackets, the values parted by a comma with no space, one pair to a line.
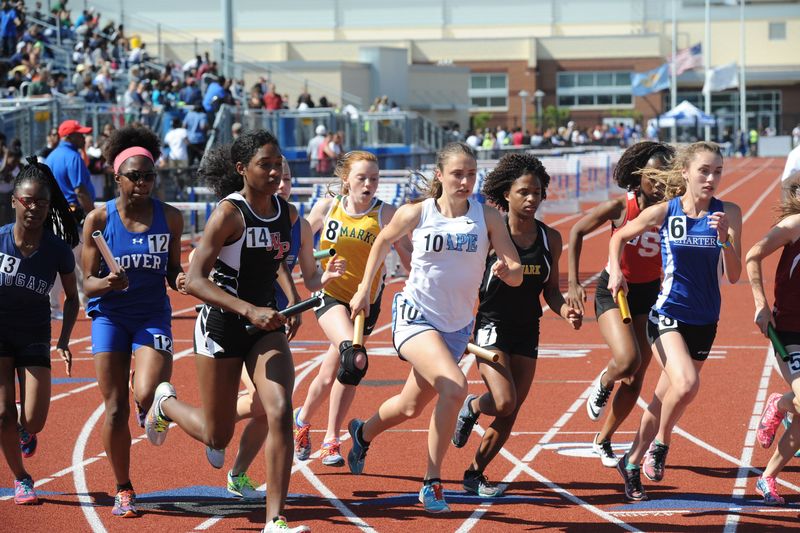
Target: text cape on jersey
[25,282]
[144,257]
[787,289]
[352,236]
[247,268]
[692,266]
[517,306]
[447,265]
[641,258]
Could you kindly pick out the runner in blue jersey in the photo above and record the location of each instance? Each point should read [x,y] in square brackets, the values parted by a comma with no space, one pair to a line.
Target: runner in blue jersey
[245,242]
[130,311]
[34,249]
[698,231]
[248,406]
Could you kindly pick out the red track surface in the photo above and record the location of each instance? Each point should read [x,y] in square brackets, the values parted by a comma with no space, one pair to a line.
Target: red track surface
[554,482]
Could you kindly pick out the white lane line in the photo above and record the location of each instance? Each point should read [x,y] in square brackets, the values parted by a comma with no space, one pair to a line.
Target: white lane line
[521,466]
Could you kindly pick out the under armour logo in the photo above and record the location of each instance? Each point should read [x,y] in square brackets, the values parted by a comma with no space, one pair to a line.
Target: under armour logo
[140,240]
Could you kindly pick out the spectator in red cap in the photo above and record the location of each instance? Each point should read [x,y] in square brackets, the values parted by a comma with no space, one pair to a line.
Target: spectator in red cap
[73,177]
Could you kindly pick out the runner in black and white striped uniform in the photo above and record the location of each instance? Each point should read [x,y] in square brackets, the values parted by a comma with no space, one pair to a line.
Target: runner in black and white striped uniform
[508,317]
[245,241]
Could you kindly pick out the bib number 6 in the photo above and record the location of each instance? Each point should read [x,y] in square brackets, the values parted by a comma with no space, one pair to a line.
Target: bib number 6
[677,228]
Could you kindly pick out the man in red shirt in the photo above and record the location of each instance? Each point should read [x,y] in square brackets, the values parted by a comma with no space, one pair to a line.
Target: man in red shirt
[273,100]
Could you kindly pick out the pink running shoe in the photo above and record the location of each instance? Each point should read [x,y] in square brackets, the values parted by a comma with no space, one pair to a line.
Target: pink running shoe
[770,420]
[24,494]
[765,486]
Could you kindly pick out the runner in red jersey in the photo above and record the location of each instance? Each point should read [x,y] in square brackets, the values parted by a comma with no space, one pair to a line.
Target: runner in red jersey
[641,266]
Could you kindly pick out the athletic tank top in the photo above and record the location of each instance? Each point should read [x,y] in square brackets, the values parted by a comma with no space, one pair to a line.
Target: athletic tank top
[691,262]
[518,306]
[247,267]
[641,260]
[352,236]
[787,290]
[144,258]
[291,260]
[447,265]
[25,282]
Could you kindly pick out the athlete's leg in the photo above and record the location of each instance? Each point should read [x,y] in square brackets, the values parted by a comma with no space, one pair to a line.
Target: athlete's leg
[249,407]
[272,370]
[341,399]
[501,396]
[523,370]
[113,370]
[9,437]
[152,367]
[34,393]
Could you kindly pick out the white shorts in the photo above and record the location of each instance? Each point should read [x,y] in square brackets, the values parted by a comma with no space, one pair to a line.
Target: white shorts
[408,322]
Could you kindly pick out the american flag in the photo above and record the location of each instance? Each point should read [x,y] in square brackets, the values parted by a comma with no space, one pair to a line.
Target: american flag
[688,58]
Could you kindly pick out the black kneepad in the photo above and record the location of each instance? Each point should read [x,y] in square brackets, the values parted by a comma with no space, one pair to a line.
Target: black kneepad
[349,373]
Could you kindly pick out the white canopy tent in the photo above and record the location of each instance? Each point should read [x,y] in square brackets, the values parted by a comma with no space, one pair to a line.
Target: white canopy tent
[685,114]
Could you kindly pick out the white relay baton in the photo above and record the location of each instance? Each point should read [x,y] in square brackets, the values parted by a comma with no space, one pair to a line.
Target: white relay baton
[105,251]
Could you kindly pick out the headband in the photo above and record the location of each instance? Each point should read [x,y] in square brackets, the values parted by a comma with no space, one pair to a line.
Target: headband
[130,152]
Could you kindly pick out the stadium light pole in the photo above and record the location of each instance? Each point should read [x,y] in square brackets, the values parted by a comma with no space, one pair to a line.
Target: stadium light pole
[742,79]
[227,47]
[523,97]
[707,50]
[539,94]
[673,90]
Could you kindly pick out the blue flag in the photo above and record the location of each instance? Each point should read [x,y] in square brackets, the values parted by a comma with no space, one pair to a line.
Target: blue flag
[655,80]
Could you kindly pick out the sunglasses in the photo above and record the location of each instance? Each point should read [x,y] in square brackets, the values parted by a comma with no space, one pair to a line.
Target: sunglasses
[140,176]
[32,203]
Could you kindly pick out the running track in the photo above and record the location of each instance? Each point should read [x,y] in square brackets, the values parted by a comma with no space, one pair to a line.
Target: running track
[554,482]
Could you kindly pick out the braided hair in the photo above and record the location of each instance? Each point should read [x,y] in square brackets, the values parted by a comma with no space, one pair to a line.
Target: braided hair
[508,169]
[59,216]
[627,173]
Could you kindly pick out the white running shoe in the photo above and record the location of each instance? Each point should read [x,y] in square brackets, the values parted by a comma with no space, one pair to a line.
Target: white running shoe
[598,398]
[156,424]
[216,458]
[605,451]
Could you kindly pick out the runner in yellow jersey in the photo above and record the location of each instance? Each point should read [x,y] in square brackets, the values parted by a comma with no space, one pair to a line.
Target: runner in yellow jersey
[349,222]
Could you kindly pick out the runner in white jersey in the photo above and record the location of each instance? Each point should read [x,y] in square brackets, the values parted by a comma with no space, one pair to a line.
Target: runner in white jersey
[432,317]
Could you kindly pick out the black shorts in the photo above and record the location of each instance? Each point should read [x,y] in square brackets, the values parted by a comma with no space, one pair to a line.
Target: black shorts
[223,335]
[28,346]
[788,337]
[328,302]
[698,339]
[641,296]
[508,338]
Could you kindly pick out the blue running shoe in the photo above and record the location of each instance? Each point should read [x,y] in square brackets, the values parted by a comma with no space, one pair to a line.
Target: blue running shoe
[27,442]
[431,496]
[358,454]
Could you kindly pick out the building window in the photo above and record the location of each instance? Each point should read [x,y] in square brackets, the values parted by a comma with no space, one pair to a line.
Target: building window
[777,31]
[488,91]
[604,89]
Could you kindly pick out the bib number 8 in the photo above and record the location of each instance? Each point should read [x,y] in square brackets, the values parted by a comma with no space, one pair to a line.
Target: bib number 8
[332,230]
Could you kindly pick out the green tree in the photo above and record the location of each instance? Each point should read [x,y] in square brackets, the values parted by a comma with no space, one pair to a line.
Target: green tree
[480,120]
[553,116]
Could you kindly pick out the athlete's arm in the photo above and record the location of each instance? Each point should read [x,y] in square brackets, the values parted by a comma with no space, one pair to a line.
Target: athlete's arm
[552,291]
[728,224]
[784,232]
[610,210]
[71,306]
[403,222]
[652,216]
[176,278]
[507,267]
[95,286]
[403,246]
[313,277]
[317,214]
[224,226]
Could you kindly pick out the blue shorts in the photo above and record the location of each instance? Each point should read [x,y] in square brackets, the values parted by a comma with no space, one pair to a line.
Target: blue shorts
[128,335]
[408,322]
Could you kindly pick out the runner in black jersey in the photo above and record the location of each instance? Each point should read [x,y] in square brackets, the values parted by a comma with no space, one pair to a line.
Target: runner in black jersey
[245,241]
[508,317]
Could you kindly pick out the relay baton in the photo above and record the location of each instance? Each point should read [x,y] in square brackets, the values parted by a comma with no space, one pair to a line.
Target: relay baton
[776,343]
[322,254]
[105,251]
[624,309]
[292,310]
[483,353]
[358,332]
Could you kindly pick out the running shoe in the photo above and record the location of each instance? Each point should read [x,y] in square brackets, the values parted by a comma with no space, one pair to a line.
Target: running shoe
[605,451]
[765,486]
[24,493]
[476,483]
[598,398]
[242,486]
[358,453]
[331,453]
[655,460]
[633,481]
[157,425]
[216,458]
[279,525]
[465,423]
[431,496]
[125,504]
[302,438]
[770,420]
[27,442]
